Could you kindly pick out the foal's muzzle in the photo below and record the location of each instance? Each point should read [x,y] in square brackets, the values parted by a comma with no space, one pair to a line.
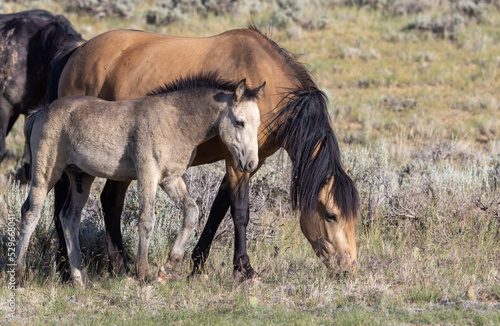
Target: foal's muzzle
[247,166]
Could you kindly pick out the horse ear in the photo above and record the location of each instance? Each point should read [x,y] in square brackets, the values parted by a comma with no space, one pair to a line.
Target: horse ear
[260,90]
[240,90]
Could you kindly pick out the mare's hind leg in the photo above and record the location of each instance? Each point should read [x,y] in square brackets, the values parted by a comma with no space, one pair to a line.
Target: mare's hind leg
[43,181]
[70,220]
[62,195]
[112,199]
[177,190]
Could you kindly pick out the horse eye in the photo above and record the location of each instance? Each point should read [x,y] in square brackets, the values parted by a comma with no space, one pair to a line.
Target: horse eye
[332,217]
[240,124]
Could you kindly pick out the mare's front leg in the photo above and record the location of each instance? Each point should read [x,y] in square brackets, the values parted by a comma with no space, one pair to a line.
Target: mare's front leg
[240,212]
[112,200]
[177,190]
[70,221]
[146,190]
[233,192]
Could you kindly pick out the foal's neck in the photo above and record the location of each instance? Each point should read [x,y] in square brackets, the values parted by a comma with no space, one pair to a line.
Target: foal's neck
[201,114]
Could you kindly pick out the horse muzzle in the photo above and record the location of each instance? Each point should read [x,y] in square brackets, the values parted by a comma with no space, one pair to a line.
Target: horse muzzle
[248,165]
[341,264]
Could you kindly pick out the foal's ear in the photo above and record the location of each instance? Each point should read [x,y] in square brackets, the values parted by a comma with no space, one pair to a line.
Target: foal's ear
[259,91]
[240,90]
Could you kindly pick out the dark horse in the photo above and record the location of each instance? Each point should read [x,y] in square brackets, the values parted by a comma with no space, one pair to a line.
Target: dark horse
[124,64]
[28,42]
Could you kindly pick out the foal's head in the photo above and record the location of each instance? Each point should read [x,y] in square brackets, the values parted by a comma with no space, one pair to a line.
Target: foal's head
[239,125]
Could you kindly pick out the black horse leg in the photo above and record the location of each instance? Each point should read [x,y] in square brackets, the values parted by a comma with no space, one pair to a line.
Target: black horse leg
[12,120]
[5,111]
[217,212]
[62,195]
[240,214]
[112,200]
[242,270]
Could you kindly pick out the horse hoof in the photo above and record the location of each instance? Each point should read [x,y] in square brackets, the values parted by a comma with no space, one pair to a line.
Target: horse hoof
[83,283]
[164,276]
[78,284]
[255,281]
[242,276]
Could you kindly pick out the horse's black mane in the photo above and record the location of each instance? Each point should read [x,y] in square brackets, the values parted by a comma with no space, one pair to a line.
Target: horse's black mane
[202,80]
[303,126]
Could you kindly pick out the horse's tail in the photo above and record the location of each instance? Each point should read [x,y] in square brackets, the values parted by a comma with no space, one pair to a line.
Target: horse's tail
[56,67]
[28,129]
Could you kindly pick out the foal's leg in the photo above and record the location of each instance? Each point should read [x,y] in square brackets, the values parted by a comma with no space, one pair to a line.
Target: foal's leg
[177,190]
[70,220]
[43,181]
[146,189]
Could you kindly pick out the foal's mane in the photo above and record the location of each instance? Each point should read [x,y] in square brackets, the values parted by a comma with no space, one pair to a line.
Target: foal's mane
[209,79]
[302,123]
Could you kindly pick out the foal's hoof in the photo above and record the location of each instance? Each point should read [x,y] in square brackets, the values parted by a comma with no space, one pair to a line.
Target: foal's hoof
[83,283]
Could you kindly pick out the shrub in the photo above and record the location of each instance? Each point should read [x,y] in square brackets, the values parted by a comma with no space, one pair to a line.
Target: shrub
[292,12]
[288,11]
[171,11]
[167,12]
[102,8]
[447,26]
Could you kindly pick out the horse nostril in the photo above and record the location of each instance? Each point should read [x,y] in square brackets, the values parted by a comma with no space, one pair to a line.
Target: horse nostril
[250,166]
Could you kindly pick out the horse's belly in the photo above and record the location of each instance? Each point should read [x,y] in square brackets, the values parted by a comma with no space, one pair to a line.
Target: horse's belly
[114,167]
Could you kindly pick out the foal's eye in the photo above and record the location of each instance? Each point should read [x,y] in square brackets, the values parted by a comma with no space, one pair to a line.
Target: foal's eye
[332,217]
[240,124]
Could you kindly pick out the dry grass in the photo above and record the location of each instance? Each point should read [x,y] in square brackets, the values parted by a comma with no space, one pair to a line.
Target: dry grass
[417,119]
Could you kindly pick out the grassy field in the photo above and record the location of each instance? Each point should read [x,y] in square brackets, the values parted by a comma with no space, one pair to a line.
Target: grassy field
[417,115]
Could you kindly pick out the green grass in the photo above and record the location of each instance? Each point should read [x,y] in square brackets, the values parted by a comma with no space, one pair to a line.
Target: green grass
[417,118]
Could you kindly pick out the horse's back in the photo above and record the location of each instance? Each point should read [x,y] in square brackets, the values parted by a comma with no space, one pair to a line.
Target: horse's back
[78,130]
[131,63]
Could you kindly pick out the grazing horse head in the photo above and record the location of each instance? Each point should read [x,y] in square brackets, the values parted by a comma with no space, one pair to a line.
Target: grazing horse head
[326,195]
[331,232]
[237,127]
